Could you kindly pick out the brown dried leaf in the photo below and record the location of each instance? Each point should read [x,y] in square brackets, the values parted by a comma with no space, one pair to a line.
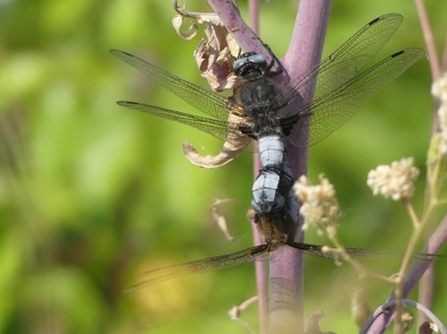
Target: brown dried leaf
[216,53]
[215,56]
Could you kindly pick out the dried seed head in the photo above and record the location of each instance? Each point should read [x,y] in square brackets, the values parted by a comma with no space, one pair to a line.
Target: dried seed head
[395,180]
[319,206]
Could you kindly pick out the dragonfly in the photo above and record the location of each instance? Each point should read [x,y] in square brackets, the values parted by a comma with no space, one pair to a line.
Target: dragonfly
[343,85]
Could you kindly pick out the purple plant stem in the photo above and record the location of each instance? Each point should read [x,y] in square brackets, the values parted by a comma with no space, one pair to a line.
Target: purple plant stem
[286,266]
[246,38]
[254,15]
[435,65]
[425,295]
[431,317]
[437,240]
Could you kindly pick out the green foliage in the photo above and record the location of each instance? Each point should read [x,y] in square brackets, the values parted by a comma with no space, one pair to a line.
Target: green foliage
[91,193]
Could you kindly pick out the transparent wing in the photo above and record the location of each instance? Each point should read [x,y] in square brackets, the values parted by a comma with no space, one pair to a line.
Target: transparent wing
[337,79]
[202,266]
[208,102]
[348,60]
[318,250]
[342,76]
[260,252]
[217,128]
[329,112]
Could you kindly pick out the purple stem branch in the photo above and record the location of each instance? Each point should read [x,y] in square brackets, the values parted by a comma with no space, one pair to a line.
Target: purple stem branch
[431,317]
[377,324]
[429,40]
[435,65]
[254,15]
[229,15]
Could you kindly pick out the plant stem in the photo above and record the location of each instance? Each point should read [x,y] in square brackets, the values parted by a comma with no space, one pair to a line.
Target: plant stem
[286,267]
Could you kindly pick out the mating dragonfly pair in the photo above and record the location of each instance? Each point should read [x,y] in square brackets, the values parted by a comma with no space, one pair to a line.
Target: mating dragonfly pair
[342,85]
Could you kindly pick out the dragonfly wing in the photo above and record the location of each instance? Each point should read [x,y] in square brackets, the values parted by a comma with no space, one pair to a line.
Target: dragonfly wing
[331,112]
[334,253]
[347,61]
[235,141]
[210,264]
[208,102]
[350,58]
[214,127]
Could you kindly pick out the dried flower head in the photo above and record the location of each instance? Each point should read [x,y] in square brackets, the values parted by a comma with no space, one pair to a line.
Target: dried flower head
[319,205]
[439,90]
[395,180]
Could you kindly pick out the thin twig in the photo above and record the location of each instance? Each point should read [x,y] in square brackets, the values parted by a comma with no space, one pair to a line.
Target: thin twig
[429,40]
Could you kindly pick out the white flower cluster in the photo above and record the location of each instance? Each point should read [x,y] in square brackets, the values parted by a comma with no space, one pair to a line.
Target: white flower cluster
[395,180]
[319,205]
[439,90]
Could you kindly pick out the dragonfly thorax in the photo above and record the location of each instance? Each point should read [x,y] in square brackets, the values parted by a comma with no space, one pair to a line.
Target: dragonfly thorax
[257,99]
[257,95]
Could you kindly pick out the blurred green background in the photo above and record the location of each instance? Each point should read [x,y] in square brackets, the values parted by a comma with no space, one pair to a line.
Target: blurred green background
[91,193]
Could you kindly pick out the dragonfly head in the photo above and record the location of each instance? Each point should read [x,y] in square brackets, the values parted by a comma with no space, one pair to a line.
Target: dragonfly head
[250,66]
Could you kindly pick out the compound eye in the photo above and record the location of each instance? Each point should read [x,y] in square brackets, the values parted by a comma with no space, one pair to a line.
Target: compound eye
[258,60]
[249,60]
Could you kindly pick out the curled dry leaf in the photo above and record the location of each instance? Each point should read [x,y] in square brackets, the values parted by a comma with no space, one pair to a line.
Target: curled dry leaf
[215,56]
[235,144]
[216,53]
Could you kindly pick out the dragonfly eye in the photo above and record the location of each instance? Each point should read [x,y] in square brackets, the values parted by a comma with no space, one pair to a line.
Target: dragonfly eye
[250,64]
